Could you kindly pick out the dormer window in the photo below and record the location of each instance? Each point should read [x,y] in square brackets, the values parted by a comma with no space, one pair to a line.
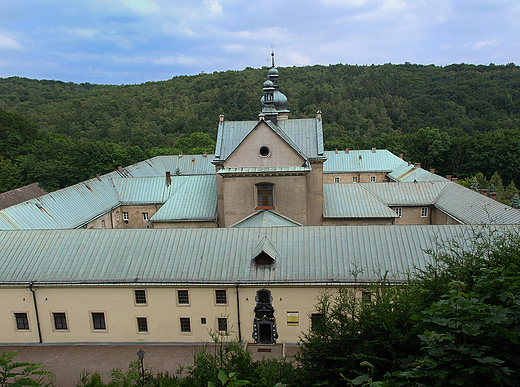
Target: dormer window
[265,195]
[263,259]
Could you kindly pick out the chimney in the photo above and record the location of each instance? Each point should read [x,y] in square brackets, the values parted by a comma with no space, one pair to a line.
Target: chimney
[373,150]
[448,177]
[180,155]
[409,163]
[432,170]
[360,157]
[205,154]
[484,192]
[168,178]
[347,150]
[221,118]
[401,156]
[336,150]
[417,165]
[318,114]
[120,169]
[493,195]
[455,179]
[98,176]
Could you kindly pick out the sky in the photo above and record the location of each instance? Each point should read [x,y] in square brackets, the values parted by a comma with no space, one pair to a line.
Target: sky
[135,41]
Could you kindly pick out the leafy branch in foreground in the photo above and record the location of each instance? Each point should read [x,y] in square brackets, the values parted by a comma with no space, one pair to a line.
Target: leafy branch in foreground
[22,373]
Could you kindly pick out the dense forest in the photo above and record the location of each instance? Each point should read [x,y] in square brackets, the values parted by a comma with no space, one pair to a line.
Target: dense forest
[459,119]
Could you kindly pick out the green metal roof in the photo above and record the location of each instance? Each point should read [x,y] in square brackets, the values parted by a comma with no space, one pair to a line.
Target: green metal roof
[305,255]
[353,201]
[266,218]
[407,194]
[194,200]
[379,160]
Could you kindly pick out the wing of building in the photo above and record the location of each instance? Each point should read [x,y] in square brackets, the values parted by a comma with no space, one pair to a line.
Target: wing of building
[241,241]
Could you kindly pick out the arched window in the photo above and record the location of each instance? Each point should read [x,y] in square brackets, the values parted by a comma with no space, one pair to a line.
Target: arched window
[265,195]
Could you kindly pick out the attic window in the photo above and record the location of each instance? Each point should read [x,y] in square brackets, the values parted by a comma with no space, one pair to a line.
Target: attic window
[264,151]
[263,259]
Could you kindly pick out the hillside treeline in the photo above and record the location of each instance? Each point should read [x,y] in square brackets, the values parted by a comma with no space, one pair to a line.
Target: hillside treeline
[459,119]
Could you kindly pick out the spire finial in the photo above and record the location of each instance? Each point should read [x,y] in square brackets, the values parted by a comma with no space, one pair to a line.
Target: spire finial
[272,56]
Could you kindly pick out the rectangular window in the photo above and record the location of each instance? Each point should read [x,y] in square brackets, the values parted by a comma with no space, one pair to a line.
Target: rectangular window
[60,321]
[203,320]
[372,179]
[316,320]
[399,212]
[220,297]
[142,324]
[145,215]
[185,324]
[424,212]
[22,322]
[102,224]
[336,180]
[265,195]
[183,297]
[125,216]
[354,179]
[98,321]
[222,324]
[117,216]
[140,296]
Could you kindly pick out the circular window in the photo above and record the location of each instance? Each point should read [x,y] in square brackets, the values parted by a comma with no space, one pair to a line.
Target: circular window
[264,151]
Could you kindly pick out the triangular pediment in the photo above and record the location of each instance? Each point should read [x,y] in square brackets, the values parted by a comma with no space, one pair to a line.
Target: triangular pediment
[266,145]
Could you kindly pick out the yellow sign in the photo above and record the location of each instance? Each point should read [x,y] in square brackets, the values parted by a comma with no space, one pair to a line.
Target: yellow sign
[293,318]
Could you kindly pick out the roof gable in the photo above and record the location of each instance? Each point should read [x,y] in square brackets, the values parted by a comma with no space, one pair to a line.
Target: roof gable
[266,218]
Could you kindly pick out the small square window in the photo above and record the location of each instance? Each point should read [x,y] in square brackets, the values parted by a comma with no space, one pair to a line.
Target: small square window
[125,216]
[22,322]
[336,180]
[60,321]
[222,324]
[142,324]
[140,296]
[354,179]
[185,324]
[220,297]
[424,212]
[372,179]
[203,320]
[183,297]
[399,212]
[145,215]
[98,321]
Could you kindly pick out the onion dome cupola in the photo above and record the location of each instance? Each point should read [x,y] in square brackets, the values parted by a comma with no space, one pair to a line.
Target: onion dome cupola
[274,103]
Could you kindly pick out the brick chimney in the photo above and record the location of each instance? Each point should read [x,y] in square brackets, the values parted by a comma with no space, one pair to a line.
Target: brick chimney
[401,155]
[448,177]
[484,192]
[347,150]
[455,179]
[493,195]
[432,170]
[168,178]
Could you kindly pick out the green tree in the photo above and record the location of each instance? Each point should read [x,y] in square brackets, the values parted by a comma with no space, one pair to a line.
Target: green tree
[22,373]
[15,131]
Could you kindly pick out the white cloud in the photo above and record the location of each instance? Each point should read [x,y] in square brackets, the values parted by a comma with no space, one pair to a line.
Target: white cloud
[213,6]
[482,44]
[9,43]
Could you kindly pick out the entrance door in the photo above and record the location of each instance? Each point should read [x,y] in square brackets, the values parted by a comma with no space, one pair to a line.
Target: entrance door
[265,331]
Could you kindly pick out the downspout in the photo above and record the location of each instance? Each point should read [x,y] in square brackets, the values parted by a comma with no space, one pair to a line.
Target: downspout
[238,316]
[36,310]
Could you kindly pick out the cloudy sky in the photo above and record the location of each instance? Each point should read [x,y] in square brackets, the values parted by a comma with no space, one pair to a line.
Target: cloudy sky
[134,41]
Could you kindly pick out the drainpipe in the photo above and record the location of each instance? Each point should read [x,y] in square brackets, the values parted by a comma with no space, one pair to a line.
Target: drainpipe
[238,315]
[36,310]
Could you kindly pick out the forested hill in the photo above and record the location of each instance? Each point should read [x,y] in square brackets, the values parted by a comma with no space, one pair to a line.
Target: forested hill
[459,119]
